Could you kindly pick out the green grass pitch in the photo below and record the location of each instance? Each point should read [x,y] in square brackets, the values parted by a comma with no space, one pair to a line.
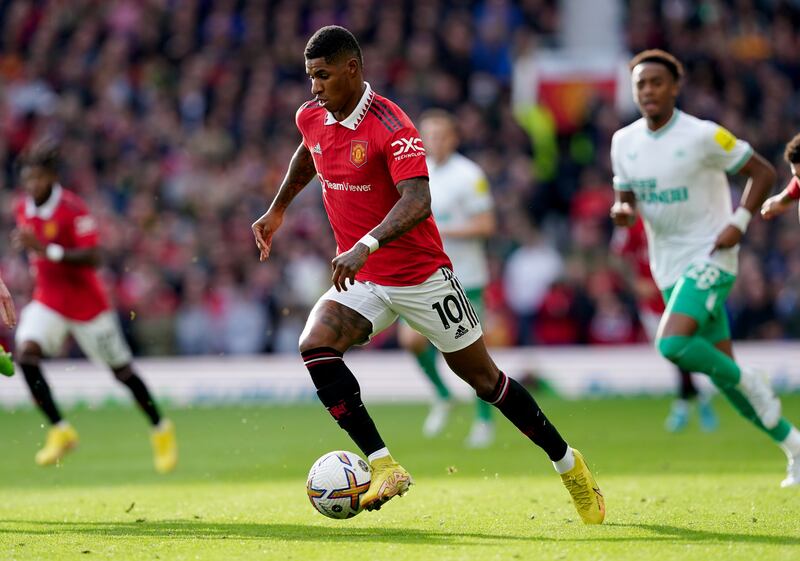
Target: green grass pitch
[239,490]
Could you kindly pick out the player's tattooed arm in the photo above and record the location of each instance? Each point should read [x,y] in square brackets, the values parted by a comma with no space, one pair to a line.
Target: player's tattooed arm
[301,170]
[413,207]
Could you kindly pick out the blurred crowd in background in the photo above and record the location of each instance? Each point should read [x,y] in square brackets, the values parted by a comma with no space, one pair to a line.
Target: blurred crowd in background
[176,124]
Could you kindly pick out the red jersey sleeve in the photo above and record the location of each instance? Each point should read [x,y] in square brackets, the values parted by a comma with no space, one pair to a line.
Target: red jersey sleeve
[84,228]
[793,189]
[404,151]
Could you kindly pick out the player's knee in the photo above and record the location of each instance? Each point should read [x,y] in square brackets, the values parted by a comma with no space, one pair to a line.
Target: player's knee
[672,348]
[123,374]
[30,354]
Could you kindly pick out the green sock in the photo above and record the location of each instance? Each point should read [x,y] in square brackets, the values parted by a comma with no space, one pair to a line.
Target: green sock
[778,433]
[695,354]
[483,411]
[427,361]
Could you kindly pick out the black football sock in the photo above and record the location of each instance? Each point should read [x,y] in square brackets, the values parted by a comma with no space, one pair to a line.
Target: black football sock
[687,389]
[339,392]
[41,391]
[520,408]
[142,397]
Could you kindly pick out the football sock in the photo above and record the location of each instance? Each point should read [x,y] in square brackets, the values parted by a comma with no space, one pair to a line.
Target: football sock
[791,444]
[143,398]
[566,463]
[377,454]
[41,391]
[339,392]
[778,433]
[483,411]
[688,390]
[521,409]
[695,354]
[427,361]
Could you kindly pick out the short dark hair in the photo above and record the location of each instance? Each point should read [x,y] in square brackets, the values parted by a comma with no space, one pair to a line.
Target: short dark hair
[792,152]
[661,57]
[441,114]
[331,43]
[43,154]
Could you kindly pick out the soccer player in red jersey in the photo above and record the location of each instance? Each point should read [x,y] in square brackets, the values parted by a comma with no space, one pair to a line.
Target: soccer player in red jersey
[631,245]
[370,162]
[61,239]
[8,315]
[780,203]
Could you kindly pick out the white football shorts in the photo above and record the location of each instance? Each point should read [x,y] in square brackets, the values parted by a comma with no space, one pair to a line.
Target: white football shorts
[100,338]
[438,308]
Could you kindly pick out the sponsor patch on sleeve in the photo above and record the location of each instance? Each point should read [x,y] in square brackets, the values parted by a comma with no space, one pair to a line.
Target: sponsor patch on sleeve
[725,139]
[482,186]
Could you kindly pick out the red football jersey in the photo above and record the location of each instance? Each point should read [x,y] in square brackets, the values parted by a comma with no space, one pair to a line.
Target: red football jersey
[359,162]
[74,291]
[631,243]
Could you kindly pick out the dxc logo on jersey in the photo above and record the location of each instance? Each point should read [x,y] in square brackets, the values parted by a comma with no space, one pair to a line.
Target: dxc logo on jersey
[406,145]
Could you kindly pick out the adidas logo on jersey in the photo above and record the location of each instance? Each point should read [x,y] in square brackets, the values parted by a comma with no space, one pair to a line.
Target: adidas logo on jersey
[317,149]
[461,331]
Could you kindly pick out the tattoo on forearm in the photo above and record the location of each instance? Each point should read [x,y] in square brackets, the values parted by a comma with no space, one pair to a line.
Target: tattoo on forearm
[301,170]
[413,207]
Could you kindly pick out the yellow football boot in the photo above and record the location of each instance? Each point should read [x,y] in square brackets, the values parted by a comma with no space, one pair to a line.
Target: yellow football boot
[165,447]
[389,479]
[60,440]
[585,493]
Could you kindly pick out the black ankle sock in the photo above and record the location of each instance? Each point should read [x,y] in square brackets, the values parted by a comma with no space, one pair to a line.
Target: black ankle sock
[41,392]
[339,392]
[520,408]
[143,398]
[687,390]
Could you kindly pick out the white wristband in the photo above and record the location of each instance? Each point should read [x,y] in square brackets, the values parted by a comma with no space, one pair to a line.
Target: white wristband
[54,252]
[370,242]
[741,218]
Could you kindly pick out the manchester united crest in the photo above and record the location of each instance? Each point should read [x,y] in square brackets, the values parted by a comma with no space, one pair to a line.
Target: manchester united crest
[358,152]
[50,229]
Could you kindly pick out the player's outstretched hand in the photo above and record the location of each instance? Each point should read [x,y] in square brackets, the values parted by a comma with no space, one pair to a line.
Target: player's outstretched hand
[25,239]
[7,312]
[623,214]
[263,229]
[347,264]
[775,206]
[728,237]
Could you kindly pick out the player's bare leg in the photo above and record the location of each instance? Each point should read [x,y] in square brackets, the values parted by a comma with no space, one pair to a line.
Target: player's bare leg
[331,330]
[61,437]
[162,438]
[474,365]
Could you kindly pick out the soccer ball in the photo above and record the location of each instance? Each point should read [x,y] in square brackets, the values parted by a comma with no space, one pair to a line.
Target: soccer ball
[336,482]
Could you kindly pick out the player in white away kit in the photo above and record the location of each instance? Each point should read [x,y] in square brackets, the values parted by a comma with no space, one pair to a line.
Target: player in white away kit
[463,209]
[671,167]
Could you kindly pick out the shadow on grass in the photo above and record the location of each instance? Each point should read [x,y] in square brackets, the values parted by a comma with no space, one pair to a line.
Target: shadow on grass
[192,529]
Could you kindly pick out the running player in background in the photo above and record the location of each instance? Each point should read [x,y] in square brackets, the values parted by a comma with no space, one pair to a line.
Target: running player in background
[670,167]
[8,315]
[370,162]
[462,207]
[780,203]
[631,245]
[61,240]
